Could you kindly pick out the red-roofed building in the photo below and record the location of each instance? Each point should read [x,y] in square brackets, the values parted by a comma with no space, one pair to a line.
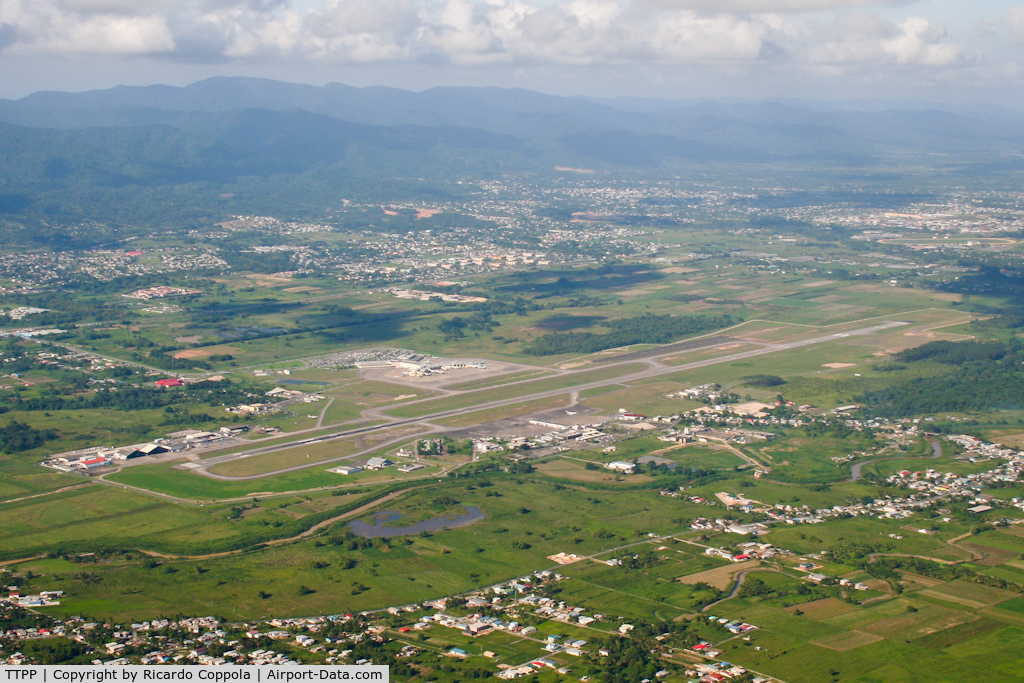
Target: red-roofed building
[173,382]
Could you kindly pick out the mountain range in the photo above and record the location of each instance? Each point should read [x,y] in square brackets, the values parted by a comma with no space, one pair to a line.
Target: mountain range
[118,154]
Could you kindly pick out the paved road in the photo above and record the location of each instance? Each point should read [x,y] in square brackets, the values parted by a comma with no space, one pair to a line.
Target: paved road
[654,368]
[855,471]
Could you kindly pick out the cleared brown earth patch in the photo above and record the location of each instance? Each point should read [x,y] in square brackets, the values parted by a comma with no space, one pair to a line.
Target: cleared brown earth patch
[720,577]
[570,469]
[1015,440]
[206,352]
[877,584]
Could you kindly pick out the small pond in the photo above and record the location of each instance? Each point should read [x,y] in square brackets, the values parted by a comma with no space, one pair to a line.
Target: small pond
[378,529]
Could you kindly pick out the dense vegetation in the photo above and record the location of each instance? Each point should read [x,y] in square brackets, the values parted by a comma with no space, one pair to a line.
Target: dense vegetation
[133,398]
[762,381]
[17,436]
[988,375]
[644,329]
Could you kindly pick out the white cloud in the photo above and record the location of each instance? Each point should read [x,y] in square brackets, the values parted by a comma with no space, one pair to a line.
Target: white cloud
[772,6]
[864,40]
[47,28]
[515,33]
[1015,24]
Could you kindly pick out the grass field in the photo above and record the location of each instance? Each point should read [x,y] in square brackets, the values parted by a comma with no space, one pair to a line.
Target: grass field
[474,398]
[352,399]
[566,468]
[478,417]
[932,631]
[22,476]
[509,541]
[308,455]
[190,486]
[646,400]
[497,381]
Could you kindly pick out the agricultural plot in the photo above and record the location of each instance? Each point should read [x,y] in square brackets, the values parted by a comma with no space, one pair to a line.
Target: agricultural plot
[847,641]
[721,577]
[878,642]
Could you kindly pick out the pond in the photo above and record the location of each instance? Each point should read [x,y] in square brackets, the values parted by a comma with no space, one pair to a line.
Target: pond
[378,529]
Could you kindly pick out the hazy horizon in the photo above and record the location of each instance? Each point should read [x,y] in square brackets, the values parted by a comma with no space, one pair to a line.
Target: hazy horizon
[824,50]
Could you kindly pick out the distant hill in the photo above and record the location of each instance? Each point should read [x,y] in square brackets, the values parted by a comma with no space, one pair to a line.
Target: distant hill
[169,155]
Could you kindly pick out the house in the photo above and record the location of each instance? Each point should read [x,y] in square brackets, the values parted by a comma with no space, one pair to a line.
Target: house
[376,463]
[92,463]
[173,382]
[621,466]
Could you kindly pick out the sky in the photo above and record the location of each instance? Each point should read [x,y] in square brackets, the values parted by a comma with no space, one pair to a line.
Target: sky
[950,51]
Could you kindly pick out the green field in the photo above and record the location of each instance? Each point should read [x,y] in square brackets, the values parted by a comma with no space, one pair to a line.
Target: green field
[408,570]
[525,389]
[155,540]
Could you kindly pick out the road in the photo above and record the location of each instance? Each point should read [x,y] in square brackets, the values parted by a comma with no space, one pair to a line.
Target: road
[654,368]
[855,471]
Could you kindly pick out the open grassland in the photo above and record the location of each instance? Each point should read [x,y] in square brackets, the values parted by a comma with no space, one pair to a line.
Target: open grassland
[22,476]
[801,458]
[165,479]
[351,400]
[857,353]
[312,453]
[481,417]
[100,518]
[502,379]
[575,470]
[653,593]
[511,540]
[101,426]
[646,400]
[474,398]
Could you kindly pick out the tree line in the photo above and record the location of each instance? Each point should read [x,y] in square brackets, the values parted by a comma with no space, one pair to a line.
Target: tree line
[644,329]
